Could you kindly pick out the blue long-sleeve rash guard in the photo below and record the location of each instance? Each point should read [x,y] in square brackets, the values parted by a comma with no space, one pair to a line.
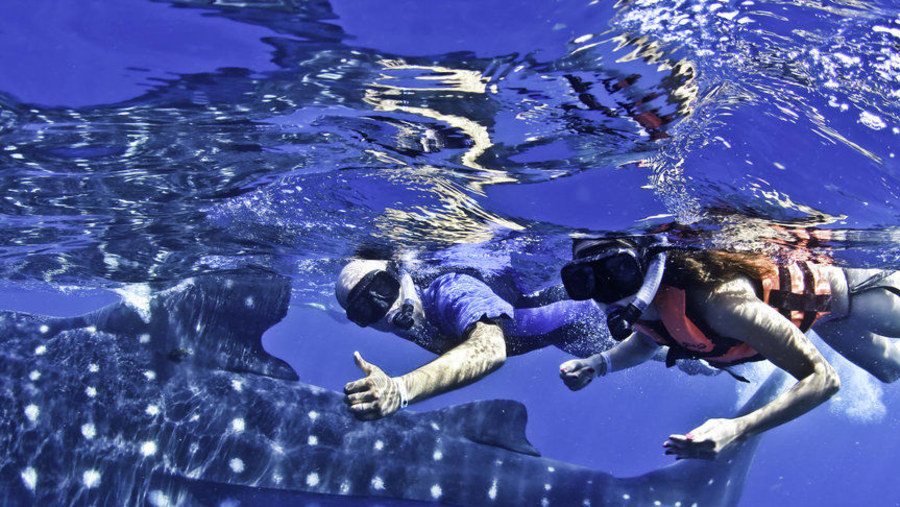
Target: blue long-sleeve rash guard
[455,301]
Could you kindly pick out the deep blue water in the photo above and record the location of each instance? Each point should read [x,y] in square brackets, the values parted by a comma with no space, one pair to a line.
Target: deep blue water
[145,141]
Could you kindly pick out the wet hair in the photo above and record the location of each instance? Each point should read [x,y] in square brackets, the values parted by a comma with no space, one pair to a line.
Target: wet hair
[375,252]
[698,268]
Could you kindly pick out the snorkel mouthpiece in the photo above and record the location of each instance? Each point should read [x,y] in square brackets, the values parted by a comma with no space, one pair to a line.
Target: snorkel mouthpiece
[620,320]
[405,316]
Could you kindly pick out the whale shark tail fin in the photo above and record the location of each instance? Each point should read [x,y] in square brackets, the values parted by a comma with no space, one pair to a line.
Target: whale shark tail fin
[716,482]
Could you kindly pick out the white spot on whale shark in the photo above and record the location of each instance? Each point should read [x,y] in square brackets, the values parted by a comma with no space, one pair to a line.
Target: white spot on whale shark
[236,465]
[379,445]
[148,448]
[492,493]
[312,479]
[40,350]
[29,477]
[158,499]
[34,376]
[313,415]
[90,478]
[377,483]
[312,440]
[88,430]
[436,491]
[91,391]
[238,425]
[32,412]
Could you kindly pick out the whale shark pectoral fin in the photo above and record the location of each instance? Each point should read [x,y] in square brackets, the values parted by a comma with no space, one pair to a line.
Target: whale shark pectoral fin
[500,423]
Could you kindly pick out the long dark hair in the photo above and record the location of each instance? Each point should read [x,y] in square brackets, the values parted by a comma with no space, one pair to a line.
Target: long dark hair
[704,268]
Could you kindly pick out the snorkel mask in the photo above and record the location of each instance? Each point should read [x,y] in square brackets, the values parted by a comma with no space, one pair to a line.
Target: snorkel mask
[608,270]
[372,297]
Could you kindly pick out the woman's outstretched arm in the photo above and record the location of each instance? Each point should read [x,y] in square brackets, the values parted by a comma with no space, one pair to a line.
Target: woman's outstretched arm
[632,351]
[744,317]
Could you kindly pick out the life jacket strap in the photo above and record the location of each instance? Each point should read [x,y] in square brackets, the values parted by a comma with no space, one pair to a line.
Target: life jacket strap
[800,302]
[679,353]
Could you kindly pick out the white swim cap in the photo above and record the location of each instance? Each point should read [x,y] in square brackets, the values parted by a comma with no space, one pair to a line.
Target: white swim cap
[352,274]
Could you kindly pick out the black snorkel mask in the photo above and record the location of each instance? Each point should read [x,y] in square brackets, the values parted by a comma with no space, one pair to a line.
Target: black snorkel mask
[374,295]
[606,277]
[609,270]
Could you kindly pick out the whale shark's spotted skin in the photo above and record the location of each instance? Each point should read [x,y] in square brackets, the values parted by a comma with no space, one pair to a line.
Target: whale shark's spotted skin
[172,401]
[112,408]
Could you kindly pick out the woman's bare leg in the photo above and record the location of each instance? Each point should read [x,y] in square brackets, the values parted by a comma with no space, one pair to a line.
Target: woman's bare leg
[860,337]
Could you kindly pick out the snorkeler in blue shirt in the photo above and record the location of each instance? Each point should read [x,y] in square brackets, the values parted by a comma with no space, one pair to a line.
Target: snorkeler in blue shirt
[462,319]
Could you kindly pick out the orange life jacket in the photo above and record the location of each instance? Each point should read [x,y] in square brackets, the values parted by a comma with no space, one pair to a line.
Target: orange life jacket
[798,290]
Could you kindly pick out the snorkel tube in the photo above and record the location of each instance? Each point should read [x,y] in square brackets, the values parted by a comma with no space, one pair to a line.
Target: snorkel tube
[621,319]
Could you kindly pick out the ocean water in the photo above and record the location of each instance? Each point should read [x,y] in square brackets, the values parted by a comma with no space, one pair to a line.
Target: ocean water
[147,142]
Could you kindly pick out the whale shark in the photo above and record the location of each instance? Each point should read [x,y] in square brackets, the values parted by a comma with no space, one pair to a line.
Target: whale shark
[170,399]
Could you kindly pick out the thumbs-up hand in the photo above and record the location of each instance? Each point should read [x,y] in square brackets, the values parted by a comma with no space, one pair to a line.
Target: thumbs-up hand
[374,396]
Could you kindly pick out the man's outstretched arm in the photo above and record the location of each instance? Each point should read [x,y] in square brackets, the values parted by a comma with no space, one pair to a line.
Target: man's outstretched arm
[377,395]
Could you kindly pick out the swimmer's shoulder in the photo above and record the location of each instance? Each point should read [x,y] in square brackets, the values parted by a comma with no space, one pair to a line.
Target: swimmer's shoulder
[723,302]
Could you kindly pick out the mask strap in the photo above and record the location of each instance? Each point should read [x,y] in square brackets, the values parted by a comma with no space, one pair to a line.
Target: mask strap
[407,286]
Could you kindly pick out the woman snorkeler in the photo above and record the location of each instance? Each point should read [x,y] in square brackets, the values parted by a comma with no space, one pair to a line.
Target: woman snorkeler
[728,308]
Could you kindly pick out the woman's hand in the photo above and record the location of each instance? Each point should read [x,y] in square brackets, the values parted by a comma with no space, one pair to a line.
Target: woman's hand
[374,396]
[705,442]
[578,373]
